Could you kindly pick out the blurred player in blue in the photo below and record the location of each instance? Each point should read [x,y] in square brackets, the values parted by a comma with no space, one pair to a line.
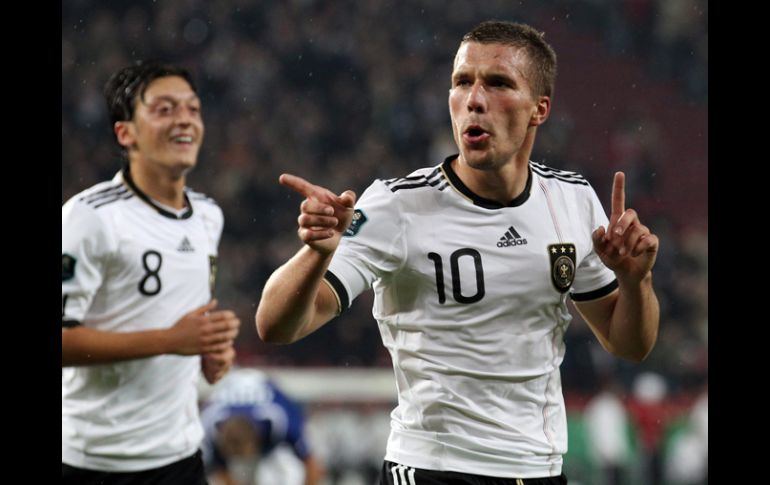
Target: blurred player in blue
[248,421]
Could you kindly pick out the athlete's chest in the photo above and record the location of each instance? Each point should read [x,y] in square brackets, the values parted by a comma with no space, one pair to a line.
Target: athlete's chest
[510,255]
[159,253]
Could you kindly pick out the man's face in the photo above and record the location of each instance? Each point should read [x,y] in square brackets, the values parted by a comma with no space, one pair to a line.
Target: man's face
[492,103]
[167,128]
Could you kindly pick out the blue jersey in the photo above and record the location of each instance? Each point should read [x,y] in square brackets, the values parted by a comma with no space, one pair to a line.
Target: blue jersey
[249,394]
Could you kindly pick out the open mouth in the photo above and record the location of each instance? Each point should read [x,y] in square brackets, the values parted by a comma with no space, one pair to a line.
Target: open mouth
[475,134]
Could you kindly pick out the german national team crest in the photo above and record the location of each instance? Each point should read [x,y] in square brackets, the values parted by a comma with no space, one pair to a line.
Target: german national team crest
[563,257]
[67,267]
[359,218]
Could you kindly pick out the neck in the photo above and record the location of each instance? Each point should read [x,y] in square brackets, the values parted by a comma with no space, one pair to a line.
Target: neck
[501,184]
[159,184]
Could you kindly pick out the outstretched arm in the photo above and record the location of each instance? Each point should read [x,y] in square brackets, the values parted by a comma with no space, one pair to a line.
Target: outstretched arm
[295,302]
[625,321]
[200,331]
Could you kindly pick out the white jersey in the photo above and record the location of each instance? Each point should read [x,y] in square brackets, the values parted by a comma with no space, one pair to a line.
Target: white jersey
[470,298]
[128,265]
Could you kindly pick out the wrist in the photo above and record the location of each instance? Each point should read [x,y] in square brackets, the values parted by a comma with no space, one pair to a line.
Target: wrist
[634,281]
[164,340]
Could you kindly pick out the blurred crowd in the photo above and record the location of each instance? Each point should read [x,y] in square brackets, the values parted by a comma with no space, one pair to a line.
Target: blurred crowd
[342,92]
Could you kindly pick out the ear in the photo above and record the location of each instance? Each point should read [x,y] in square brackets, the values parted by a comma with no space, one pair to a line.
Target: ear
[543,109]
[125,133]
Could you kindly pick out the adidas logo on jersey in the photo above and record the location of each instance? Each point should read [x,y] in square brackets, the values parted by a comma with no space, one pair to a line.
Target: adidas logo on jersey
[511,238]
[185,246]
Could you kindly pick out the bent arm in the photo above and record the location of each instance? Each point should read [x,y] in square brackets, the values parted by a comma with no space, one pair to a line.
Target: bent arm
[295,301]
[199,331]
[86,346]
[625,321]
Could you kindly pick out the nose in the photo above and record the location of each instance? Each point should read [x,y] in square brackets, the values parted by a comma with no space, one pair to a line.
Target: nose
[477,98]
[184,116]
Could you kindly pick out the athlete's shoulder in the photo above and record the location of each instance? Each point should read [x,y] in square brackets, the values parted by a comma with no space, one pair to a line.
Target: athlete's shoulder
[563,181]
[426,178]
[202,202]
[196,196]
[555,176]
[100,195]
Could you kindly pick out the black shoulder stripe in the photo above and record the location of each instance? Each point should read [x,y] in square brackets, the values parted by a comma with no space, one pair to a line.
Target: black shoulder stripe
[404,179]
[555,170]
[425,183]
[559,173]
[107,195]
[412,178]
[560,179]
[444,185]
[101,193]
[340,289]
[70,323]
[115,199]
[593,295]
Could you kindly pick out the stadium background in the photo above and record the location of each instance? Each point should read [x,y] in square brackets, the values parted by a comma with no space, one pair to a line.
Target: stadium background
[343,92]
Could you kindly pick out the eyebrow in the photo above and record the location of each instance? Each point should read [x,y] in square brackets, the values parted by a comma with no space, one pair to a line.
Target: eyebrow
[172,99]
[487,76]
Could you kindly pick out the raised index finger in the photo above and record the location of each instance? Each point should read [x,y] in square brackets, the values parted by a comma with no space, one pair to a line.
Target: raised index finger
[618,195]
[300,185]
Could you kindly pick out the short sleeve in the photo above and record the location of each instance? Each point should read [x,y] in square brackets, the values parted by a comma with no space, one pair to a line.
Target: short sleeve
[592,278]
[372,246]
[85,248]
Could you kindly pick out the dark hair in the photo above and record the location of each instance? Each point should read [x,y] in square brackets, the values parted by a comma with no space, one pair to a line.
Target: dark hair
[541,55]
[129,84]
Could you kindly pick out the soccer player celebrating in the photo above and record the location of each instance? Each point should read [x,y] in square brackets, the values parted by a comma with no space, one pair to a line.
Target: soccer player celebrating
[138,266]
[471,262]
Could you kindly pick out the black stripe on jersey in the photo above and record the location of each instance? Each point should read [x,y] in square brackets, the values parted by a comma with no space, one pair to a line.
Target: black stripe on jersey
[422,181]
[110,201]
[102,193]
[414,186]
[389,182]
[339,288]
[556,171]
[108,195]
[568,177]
[185,215]
[593,295]
[70,323]
[444,185]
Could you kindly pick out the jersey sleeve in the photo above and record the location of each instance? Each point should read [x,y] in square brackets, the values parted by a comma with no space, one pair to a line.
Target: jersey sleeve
[592,278]
[371,247]
[85,249]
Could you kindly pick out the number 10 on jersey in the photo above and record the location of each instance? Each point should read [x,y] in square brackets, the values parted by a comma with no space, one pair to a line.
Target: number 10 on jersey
[454,265]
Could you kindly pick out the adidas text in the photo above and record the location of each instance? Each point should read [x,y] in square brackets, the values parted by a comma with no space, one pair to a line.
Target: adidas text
[511,242]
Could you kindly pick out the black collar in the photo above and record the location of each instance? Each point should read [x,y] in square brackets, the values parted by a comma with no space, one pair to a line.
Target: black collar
[130,182]
[481,201]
